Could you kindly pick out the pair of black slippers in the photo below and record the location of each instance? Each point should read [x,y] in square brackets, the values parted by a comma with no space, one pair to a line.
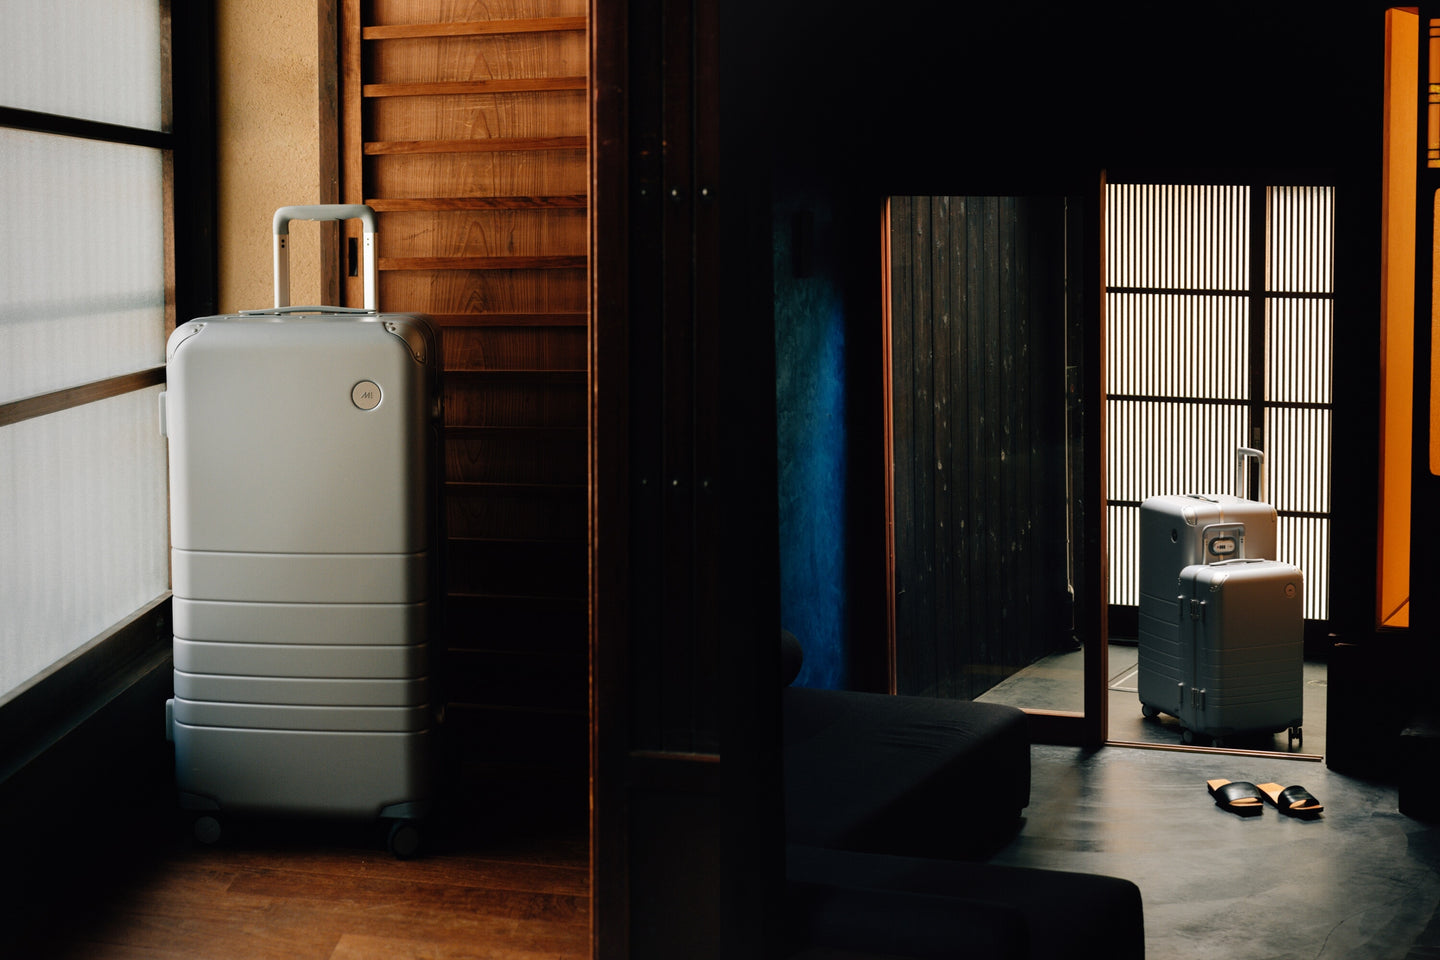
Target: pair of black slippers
[1248,799]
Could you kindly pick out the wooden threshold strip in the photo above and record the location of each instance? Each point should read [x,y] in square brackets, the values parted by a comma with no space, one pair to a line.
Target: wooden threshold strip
[577,319]
[478,145]
[473,28]
[31,407]
[576,201]
[482,263]
[446,88]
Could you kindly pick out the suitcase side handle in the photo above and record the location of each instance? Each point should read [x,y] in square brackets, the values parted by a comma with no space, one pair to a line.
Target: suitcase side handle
[1243,455]
[323,211]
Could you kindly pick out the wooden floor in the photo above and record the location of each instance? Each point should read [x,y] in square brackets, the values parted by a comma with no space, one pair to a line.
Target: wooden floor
[509,880]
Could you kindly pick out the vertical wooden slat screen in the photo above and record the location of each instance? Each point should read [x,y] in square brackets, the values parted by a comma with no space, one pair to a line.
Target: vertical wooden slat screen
[1219,301]
[1299,374]
[464,126]
[978,395]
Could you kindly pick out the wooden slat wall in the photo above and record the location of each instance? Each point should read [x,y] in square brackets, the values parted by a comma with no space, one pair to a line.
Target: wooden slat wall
[977,346]
[465,127]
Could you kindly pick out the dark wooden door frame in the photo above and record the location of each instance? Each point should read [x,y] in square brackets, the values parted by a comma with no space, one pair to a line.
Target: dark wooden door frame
[1089,727]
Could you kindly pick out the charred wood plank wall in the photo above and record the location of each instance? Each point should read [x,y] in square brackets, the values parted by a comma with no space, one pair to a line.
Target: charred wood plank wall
[978,391]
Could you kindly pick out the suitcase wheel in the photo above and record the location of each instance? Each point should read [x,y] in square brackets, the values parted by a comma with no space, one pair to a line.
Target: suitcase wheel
[1149,712]
[206,829]
[404,839]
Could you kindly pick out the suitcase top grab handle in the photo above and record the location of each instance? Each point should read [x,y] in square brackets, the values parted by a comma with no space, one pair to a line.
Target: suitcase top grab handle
[323,211]
[1243,456]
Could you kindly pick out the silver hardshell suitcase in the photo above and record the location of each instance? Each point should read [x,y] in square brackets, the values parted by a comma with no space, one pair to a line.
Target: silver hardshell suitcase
[1175,532]
[306,540]
[1241,648]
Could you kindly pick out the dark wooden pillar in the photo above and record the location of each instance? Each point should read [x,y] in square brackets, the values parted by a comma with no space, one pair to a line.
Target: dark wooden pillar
[687,833]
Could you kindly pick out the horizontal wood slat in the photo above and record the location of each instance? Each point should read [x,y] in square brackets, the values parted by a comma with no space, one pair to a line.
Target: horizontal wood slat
[483,291]
[536,512]
[566,319]
[479,145]
[576,377]
[519,568]
[473,28]
[515,400]
[438,204]
[507,172]
[521,735]
[518,624]
[546,113]
[482,263]
[447,88]
[535,490]
[31,407]
[553,682]
[516,455]
[514,348]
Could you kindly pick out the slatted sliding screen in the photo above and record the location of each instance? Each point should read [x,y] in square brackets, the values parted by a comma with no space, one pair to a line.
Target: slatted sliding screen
[1299,318]
[1219,307]
[465,127]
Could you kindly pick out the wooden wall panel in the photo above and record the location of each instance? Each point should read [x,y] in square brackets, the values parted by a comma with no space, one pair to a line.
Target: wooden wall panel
[978,382]
[466,129]
[425,59]
[486,233]
[462,11]
[530,399]
[482,291]
[510,173]
[477,116]
[515,455]
[515,348]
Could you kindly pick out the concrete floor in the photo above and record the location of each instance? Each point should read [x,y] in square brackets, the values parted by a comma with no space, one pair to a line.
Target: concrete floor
[1361,881]
[1054,683]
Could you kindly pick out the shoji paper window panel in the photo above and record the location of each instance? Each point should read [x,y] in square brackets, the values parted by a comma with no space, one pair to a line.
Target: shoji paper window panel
[91,59]
[82,281]
[83,524]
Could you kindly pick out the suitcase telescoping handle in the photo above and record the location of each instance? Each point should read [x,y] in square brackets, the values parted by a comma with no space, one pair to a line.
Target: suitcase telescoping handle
[1243,456]
[322,211]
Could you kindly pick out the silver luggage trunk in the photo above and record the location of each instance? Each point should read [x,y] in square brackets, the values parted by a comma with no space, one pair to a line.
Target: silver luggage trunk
[306,538]
[1241,648]
[1176,532]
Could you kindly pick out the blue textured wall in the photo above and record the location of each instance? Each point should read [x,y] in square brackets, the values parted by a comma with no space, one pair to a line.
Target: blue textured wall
[812,443]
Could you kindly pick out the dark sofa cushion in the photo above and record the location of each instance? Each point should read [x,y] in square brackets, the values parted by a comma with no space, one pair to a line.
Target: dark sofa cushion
[1060,914]
[911,776]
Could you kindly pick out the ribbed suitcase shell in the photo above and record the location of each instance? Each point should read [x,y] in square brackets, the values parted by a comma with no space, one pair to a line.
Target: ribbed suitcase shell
[305,534]
[1241,647]
[1175,532]
[303,554]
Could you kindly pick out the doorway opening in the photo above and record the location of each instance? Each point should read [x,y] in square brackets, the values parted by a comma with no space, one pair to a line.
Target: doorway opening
[1219,316]
[1218,304]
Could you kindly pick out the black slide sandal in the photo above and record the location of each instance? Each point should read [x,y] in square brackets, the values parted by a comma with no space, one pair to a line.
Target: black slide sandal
[1293,801]
[1238,796]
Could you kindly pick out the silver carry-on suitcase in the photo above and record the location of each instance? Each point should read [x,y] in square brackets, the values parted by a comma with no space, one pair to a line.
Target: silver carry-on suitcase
[1175,532]
[1241,648]
[306,544]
